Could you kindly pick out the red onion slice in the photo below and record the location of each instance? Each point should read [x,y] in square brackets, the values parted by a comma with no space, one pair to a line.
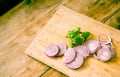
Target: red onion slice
[62,49]
[104,41]
[93,45]
[83,50]
[110,49]
[78,62]
[51,50]
[69,55]
[104,54]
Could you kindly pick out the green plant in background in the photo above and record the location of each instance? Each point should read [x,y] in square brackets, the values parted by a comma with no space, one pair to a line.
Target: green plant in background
[27,2]
[77,37]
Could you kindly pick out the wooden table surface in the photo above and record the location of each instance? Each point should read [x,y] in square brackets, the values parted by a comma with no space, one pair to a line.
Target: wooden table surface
[21,25]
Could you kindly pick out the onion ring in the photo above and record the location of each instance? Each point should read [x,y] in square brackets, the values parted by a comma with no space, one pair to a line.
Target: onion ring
[108,41]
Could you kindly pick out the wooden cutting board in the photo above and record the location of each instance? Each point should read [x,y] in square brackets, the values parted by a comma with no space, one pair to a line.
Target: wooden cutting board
[55,31]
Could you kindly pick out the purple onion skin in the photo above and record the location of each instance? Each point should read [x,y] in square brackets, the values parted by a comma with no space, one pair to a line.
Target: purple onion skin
[92,45]
[62,48]
[83,50]
[105,53]
[69,55]
[51,50]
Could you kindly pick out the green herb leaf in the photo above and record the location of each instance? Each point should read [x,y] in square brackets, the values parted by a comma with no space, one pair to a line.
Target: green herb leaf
[85,34]
[77,40]
[76,36]
[71,44]
[73,33]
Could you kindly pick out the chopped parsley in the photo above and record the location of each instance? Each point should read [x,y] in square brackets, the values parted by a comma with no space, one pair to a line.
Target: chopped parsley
[77,37]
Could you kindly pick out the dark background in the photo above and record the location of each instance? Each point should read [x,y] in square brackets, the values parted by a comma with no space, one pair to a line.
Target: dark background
[6,5]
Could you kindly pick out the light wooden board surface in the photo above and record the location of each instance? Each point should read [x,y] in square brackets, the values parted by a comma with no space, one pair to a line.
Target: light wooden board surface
[54,32]
[18,28]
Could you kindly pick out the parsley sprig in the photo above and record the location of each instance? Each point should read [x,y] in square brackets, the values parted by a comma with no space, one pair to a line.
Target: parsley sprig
[77,37]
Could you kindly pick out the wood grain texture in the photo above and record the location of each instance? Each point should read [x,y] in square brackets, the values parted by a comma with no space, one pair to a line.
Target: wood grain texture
[64,20]
[114,21]
[100,10]
[53,73]
[18,28]
[20,25]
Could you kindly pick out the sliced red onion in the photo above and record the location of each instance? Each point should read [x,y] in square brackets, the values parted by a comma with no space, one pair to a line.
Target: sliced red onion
[93,45]
[51,50]
[62,49]
[78,62]
[105,53]
[69,55]
[110,48]
[83,50]
[104,41]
